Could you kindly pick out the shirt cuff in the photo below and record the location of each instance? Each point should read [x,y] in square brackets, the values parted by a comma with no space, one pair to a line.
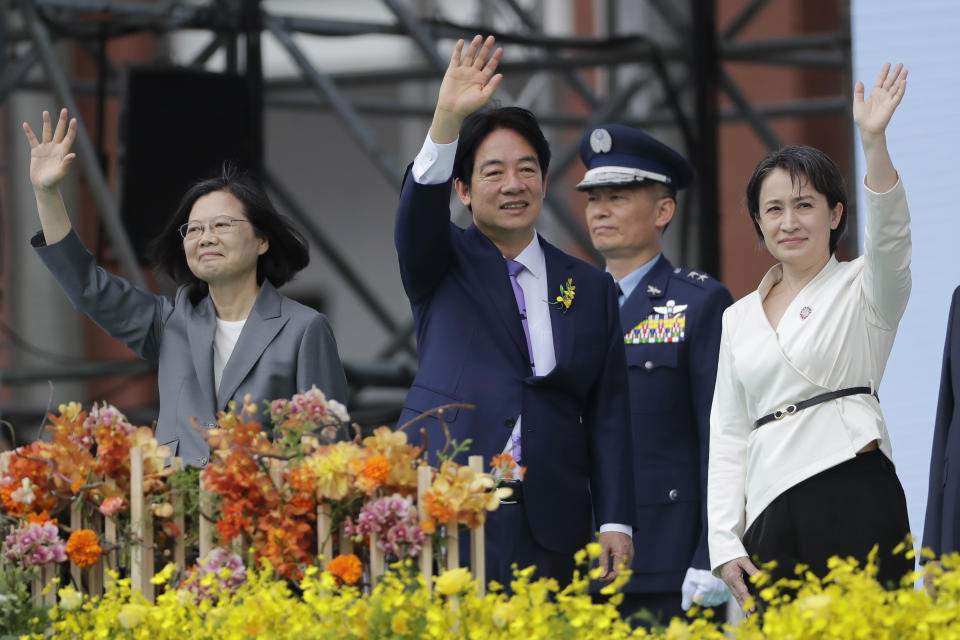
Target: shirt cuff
[434,163]
[619,528]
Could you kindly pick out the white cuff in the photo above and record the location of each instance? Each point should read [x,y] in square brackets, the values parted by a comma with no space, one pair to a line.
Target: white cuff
[434,163]
[619,528]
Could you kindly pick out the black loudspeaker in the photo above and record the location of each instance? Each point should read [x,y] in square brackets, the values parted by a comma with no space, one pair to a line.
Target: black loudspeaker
[178,126]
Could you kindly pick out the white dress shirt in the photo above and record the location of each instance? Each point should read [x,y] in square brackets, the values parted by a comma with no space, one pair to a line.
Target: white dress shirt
[434,165]
[837,333]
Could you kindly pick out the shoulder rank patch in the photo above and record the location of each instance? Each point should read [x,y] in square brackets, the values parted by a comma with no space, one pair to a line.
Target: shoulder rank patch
[701,277]
[666,324]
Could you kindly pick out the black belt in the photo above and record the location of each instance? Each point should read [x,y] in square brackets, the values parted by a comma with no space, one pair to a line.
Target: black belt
[791,409]
[517,487]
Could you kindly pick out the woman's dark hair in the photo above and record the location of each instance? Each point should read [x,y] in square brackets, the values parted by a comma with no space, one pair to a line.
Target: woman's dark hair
[286,255]
[805,165]
[478,125]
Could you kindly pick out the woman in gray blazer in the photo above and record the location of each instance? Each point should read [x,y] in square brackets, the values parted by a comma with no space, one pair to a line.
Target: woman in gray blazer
[227,333]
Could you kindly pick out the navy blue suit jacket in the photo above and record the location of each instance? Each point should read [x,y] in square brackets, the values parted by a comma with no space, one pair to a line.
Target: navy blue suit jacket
[671,390]
[576,426]
[941,529]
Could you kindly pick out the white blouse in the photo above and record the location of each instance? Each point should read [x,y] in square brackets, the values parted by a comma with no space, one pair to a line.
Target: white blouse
[837,333]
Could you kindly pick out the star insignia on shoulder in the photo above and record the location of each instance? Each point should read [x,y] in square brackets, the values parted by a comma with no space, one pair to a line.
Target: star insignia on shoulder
[652,290]
[698,276]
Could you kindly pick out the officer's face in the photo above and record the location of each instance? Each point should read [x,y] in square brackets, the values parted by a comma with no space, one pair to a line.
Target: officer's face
[796,221]
[506,189]
[626,221]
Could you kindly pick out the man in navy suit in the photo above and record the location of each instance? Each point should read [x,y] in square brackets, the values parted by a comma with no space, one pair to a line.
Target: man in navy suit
[671,330]
[941,528]
[547,376]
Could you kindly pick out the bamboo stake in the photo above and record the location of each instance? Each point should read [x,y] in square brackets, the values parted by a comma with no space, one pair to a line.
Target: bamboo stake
[95,573]
[377,561]
[110,535]
[324,534]
[179,520]
[478,550]
[141,524]
[76,523]
[205,542]
[424,477]
[346,544]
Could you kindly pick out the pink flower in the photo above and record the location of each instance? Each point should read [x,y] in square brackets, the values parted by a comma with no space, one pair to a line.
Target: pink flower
[394,520]
[32,545]
[112,505]
[214,564]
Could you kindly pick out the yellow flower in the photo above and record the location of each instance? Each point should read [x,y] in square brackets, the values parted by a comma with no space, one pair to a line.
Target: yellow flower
[70,410]
[70,598]
[131,615]
[453,582]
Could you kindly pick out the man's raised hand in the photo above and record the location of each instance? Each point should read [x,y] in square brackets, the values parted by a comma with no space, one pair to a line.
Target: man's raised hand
[468,84]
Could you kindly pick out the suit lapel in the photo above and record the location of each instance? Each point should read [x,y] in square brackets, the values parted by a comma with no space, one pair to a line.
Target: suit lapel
[491,269]
[559,269]
[261,327]
[200,331]
[650,291]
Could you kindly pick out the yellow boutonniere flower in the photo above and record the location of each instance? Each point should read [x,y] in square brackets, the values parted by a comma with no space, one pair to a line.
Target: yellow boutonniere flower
[565,299]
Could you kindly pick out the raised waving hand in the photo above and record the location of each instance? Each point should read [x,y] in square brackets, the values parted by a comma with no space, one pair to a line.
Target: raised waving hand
[468,84]
[50,159]
[872,114]
[50,156]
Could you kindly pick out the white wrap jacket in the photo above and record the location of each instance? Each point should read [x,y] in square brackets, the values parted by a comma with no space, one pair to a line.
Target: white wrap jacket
[837,333]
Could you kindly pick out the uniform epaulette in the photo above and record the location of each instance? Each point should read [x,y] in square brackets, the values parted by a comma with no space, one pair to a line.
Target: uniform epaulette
[693,276]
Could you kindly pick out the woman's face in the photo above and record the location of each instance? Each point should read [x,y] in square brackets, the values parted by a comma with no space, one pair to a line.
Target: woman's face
[796,221]
[221,245]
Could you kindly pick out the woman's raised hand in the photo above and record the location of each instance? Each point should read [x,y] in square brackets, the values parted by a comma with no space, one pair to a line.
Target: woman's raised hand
[50,157]
[872,114]
[468,84]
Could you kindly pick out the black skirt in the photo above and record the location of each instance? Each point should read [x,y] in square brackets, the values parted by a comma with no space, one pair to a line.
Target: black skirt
[843,511]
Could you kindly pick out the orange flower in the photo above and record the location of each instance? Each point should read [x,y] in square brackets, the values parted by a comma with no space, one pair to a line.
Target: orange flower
[40,518]
[376,469]
[428,527]
[347,568]
[438,508]
[233,522]
[83,548]
[75,485]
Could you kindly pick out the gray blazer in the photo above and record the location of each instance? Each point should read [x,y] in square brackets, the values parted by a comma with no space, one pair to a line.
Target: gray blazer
[285,347]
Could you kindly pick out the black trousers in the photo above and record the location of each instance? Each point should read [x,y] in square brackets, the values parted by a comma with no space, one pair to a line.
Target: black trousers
[843,511]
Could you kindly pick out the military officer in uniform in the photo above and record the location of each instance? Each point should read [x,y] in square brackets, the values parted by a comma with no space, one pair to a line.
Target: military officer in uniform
[671,323]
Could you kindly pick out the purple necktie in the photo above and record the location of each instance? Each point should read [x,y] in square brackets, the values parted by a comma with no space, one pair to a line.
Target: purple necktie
[514,268]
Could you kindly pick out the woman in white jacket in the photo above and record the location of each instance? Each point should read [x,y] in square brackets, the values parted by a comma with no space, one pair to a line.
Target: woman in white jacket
[800,456]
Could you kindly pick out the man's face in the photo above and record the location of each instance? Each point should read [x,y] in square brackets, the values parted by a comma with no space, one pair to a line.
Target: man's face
[625,221]
[506,187]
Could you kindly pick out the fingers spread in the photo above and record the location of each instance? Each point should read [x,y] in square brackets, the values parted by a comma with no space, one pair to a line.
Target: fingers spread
[61,126]
[46,131]
[883,75]
[31,138]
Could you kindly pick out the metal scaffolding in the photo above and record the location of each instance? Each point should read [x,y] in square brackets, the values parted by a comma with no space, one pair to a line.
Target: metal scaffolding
[600,73]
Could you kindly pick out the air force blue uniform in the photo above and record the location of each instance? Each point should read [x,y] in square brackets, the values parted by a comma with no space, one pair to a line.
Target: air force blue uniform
[671,323]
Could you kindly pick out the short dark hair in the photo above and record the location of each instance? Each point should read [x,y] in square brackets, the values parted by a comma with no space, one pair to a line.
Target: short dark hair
[478,125]
[287,253]
[804,164]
